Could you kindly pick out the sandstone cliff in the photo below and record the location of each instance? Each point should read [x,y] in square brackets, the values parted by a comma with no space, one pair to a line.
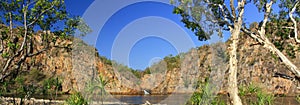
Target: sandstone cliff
[77,63]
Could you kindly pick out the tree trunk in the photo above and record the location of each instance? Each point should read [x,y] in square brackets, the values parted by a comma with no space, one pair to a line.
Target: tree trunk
[293,68]
[232,80]
[261,38]
[235,32]
[270,46]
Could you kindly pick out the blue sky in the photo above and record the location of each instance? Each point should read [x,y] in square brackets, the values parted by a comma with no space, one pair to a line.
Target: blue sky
[149,48]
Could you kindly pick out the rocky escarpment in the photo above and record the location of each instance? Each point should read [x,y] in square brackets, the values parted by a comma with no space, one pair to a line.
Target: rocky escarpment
[77,64]
[80,65]
[70,62]
[257,66]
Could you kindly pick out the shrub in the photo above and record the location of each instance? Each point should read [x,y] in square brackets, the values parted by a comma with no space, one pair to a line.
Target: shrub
[251,89]
[76,99]
[205,96]
[264,98]
[298,98]
[51,86]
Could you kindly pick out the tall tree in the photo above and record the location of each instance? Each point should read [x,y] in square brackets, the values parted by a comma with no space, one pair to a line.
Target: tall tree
[24,18]
[196,13]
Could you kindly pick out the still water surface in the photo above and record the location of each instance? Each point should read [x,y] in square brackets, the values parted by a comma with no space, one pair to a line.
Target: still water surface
[174,99]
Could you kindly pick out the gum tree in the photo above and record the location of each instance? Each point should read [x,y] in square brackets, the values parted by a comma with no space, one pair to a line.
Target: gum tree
[20,21]
[205,17]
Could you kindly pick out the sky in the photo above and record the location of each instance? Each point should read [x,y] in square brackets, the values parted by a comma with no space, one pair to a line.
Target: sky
[142,32]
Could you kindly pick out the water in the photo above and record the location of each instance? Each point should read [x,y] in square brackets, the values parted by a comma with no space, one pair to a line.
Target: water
[180,99]
[140,99]
[174,99]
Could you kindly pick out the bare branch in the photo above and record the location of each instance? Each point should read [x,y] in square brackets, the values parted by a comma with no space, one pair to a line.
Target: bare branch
[1,48]
[17,66]
[8,62]
[253,35]
[39,15]
[241,10]
[285,27]
[10,23]
[262,30]
[228,18]
[25,30]
[232,8]
[38,52]
[294,21]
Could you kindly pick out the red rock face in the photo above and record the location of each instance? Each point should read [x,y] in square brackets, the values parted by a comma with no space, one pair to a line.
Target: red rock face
[78,66]
[281,86]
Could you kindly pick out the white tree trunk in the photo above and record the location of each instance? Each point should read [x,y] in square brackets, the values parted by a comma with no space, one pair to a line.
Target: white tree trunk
[293,68]
[232,80]
[294,21]
[235,32]
[271,47]
[261,38]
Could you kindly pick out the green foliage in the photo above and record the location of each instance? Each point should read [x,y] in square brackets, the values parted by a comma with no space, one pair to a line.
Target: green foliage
[275,57]
[22,20]
[147,71]
[264,98]
[137,73]
[278,45]
[205,96]
[78,23]
[287,5]
[51,85]
[253,89]
[218,101]
[76,99]
[4,88]
[290,51]
[42,14]
[172,61]
[198,98]
[105,60]
[194,26]
[282,36]
[96,88]
[30,83]
[23,90]
[5,55]
[298,98]
[36,75]
[242,90]
[250,90]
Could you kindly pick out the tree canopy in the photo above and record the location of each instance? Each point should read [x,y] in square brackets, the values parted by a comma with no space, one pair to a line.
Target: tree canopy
[205,17]
[22,19]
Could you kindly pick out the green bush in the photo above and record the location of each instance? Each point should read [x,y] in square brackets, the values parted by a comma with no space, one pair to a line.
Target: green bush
[298,98]
[51,85]
[199,98]
[196,98]
[264,98]
[251,89]
[76,99]
[205,96]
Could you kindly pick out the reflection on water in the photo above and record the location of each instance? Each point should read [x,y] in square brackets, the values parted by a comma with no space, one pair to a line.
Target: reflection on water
[174,99]
[180,99]
[140,99]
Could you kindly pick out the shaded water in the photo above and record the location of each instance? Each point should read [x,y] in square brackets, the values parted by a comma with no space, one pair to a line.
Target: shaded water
[177,99]
[287,100]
